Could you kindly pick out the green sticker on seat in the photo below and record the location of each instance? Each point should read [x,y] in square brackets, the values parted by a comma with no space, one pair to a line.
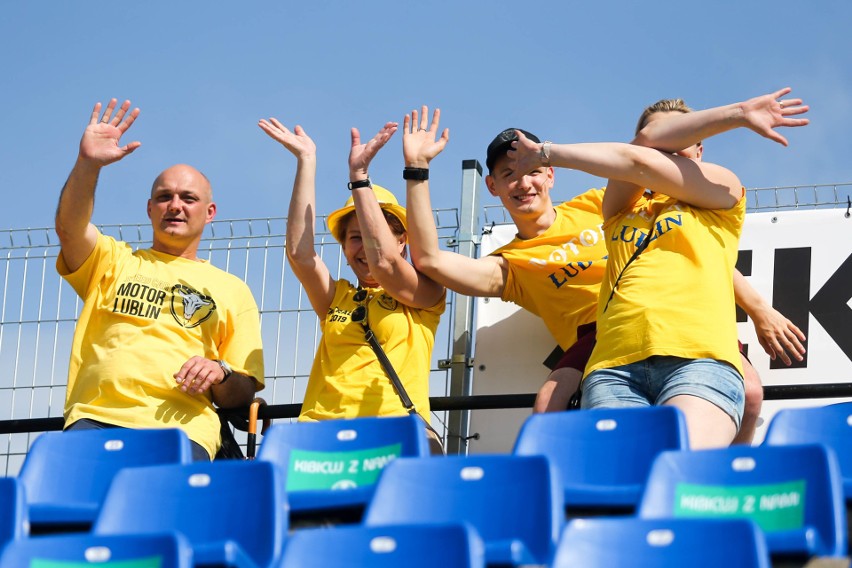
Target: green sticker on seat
[338,470]
[774,507]
[147,562]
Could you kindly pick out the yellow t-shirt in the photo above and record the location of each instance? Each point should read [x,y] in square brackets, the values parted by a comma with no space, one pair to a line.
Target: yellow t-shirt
[145,314]
[347,379]
[557,275]
[677,297]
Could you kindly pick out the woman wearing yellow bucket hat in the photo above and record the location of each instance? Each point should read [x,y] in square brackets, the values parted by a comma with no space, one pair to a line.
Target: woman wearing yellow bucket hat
[401,306]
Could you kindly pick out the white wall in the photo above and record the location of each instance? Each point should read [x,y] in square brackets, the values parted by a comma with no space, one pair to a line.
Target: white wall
[511,344]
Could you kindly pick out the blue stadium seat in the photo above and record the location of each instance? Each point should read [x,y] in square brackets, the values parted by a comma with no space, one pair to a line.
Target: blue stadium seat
[77,550]
[830,425]
[392,546]
[231,511]
[13,511]
[66,474]
[793,493]
[334,464]
[627,542]
[603,456]
[513,502]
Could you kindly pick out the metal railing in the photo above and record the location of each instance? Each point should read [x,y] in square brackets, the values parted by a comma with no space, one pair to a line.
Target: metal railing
[38,313]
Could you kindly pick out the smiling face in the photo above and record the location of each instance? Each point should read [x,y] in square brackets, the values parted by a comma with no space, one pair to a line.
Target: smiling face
[526,197]
[180,206]
[355,253]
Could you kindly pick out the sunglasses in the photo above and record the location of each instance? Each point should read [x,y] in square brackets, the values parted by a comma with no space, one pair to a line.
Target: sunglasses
[359,314]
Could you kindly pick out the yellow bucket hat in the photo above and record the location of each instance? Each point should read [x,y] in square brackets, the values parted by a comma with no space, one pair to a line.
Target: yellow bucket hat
[386,201]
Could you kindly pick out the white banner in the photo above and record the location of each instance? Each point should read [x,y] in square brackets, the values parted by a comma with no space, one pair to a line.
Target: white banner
[800,261]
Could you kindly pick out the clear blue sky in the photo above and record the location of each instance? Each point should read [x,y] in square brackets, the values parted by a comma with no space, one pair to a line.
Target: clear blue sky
[204,72]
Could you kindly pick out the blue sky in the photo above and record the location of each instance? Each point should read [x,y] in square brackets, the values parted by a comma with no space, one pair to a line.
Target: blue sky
[203,73]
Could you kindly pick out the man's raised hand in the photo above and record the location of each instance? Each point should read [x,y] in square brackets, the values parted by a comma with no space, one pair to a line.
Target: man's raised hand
[420,140]
[101,139]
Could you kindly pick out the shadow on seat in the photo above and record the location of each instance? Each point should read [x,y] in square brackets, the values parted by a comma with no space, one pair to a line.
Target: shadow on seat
[391,546]
[627,542]
[331,467]
[75,550]
[66,474]
[513,502]
[231,511]
[603,456]
[792,492]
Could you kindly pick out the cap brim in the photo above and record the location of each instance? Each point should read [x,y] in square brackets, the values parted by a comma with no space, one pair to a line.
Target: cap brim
[334,217]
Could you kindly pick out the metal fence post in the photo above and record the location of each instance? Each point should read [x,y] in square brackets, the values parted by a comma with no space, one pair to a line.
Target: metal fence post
[461,363]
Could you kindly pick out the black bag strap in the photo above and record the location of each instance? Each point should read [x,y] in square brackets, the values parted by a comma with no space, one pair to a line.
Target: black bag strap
[388,367]
[393,376]
[633,257]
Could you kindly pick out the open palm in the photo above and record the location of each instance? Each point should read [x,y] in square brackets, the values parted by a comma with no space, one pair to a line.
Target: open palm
[102,137]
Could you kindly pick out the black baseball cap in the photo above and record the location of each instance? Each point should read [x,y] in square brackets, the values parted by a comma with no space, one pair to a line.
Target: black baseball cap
[502,143]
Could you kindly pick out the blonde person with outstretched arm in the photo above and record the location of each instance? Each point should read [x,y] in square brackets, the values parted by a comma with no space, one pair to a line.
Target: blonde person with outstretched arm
[401,305]
[666,324]
[555,265]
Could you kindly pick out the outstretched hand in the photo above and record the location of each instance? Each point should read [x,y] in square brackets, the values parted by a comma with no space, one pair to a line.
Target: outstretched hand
[360,155]
[419,142]
[525,155]
[100,142]
[765,113]
[778,336]
[297,140]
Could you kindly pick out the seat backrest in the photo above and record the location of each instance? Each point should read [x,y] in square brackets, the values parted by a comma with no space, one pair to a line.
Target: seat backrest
[792,492]
[66,474]
[604,456]
[629,542]
[211,503]
[14,522]
[319,458]
[392,546]
[168,550]
[513,502]
[830,425]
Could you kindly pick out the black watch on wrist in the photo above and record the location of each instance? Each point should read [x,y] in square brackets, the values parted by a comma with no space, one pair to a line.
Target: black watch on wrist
[359,184]
[225,369]
[415,174]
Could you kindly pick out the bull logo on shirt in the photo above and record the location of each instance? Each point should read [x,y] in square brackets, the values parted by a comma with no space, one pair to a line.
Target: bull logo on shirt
[388,303]
[190,307]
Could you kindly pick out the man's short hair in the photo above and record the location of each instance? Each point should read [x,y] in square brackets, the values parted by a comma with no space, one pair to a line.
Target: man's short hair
[502,143]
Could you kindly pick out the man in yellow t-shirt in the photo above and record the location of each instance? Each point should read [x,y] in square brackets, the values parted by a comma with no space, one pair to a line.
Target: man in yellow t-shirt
[553,267]
[163,335]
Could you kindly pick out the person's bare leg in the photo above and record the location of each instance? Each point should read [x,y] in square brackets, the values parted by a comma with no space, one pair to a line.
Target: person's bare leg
[708,425]
[753,403]
[554,394]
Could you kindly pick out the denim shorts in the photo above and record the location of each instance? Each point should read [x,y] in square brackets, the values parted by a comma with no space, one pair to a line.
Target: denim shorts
[656,379]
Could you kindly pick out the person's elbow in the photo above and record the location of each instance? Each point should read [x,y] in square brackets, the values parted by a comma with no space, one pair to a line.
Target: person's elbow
[428,264]
[385,268]
[301,256]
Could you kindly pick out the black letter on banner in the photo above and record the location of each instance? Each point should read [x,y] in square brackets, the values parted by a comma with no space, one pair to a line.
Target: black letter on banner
[744,266]
[791,294]
[831,309]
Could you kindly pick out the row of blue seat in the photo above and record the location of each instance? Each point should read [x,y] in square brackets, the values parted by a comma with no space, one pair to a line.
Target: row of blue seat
[345,453]
[236,514]
[595,543]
